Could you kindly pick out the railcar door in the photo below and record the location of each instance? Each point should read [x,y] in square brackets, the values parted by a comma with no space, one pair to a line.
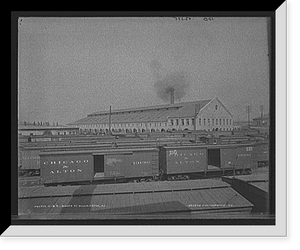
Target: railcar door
[213,159]
[98,165]
[229,158]
[115,164]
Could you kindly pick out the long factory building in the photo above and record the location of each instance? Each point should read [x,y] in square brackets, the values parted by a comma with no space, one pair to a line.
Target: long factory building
[207,115]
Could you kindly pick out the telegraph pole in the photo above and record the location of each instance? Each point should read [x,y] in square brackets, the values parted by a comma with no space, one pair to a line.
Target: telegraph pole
[195,120]
[109,121]
[261,111]
[248,109]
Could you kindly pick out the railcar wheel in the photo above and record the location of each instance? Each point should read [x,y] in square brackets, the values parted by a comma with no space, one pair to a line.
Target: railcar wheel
[237,172]
[249,171]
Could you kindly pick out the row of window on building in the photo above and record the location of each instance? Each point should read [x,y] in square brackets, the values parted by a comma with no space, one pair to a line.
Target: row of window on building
[127,125]
[159,126]
[184,122]
[139,130]
[172,122]
[128,130]
[202,122]
[216,121]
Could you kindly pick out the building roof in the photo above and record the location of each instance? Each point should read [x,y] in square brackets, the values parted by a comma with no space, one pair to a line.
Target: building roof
[42,127]
[261,181]
[158,113]
[133,198]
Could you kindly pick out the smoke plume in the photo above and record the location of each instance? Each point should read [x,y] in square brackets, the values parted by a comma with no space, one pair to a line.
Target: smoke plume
[167,80]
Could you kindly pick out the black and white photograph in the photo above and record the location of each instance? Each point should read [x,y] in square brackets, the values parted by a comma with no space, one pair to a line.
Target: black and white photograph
[155,119]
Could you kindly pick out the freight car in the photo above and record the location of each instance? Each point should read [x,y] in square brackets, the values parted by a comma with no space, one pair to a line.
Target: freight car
[29,159]
[101,165]
[261,153]
[184,162]
[172,162]
[28,162]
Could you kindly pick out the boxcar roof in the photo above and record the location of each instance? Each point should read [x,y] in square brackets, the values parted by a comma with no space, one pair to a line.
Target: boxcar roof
[210,146]
[97,152]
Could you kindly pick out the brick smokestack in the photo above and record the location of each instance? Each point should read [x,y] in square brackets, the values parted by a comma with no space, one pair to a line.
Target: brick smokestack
[169,84]
[172,95]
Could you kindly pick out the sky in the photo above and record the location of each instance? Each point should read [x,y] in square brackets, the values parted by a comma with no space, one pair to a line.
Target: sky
[71,67]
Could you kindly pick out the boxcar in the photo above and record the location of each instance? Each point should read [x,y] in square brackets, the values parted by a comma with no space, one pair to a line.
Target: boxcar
[82,166]
[28,161]
[236,157]
[181,160]
[262,153]
[62,167]
[245,157]
[129,163]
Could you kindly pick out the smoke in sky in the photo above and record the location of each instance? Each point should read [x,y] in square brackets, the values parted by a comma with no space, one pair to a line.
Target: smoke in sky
[69,67]
[166,80]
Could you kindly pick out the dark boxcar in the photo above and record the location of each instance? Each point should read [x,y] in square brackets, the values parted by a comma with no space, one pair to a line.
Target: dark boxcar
[60,167]
[183,159]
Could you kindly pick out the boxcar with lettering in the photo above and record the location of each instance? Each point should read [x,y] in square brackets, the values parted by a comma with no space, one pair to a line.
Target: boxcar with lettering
[231,157]
[245,157]
[203,159]
[63,167]
[183,159]
[96,165]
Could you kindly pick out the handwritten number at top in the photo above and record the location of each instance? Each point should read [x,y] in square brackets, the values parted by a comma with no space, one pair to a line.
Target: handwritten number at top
[183,18]
[208,18]
[190,18]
